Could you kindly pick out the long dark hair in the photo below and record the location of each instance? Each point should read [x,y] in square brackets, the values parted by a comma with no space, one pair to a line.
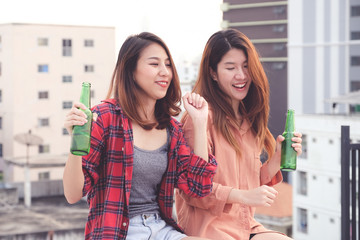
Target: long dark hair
[124,89]
[254,107]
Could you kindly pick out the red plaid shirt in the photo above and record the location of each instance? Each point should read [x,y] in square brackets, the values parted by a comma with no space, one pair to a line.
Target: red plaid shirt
[108,173]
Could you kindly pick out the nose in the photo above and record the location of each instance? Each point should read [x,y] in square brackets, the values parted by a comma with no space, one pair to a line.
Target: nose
[164,71]
[240,74]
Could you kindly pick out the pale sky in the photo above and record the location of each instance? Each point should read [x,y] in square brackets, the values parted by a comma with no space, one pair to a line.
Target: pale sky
[185,25]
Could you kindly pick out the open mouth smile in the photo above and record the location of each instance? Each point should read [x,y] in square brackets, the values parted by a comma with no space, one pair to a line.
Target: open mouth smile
[239,85]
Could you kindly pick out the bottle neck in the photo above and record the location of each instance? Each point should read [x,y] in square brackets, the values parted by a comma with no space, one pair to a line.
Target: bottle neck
[85,95]
[290,125]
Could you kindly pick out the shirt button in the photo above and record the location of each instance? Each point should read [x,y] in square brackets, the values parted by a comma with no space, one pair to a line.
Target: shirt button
[124,224]
[122,149]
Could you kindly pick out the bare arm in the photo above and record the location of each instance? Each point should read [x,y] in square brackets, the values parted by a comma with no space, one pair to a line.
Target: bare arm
[73,177]
[197,108]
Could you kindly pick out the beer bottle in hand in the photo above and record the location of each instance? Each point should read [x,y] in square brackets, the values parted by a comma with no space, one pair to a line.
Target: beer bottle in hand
[288,153]
[80,141]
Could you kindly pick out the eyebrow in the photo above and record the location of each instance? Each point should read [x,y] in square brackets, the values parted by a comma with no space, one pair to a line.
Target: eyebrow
[157,58]
[234,62]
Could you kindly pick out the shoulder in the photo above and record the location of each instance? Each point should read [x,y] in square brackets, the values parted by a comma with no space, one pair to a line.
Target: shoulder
[175,124]
[107,106]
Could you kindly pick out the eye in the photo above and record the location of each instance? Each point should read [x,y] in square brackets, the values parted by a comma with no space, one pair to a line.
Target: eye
[231,68]
[245,66]
[154,64]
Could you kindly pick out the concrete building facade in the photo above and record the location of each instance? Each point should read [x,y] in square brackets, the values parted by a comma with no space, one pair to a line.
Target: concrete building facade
[324,49]
[323,63]
[42,68]
[317,179]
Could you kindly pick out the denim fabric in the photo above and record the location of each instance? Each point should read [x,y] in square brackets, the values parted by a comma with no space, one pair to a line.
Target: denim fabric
[151,227]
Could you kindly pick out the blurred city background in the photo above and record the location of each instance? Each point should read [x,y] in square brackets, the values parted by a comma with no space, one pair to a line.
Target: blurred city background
[310,50]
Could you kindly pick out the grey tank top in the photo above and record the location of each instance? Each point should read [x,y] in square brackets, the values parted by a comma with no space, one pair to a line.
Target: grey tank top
[148,170]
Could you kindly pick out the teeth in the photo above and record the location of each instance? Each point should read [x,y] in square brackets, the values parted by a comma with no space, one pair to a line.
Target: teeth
[162,83]
[240,85]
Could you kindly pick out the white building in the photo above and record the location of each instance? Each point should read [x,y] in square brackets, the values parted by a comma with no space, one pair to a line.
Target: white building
[316,182]
[42,68]
[323,63]
[324,49]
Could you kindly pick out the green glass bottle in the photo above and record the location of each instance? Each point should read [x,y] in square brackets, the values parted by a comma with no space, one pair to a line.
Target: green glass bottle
[288,153]
[80,141]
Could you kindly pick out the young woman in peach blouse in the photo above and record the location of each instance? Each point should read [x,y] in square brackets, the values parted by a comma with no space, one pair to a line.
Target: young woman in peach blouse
[233,81]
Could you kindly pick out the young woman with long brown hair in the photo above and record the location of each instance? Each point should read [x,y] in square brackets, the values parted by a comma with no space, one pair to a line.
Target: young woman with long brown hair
[233,82]
[138,152]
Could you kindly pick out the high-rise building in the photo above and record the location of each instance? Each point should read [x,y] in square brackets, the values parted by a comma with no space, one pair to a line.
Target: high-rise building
[324,49]
[323,63]
[265,23]
[42,68]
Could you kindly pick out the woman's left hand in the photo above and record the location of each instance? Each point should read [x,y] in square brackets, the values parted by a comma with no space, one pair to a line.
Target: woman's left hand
[297,140]
[196,106]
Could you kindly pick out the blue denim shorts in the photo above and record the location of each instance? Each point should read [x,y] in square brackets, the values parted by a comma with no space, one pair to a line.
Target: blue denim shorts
[151,227]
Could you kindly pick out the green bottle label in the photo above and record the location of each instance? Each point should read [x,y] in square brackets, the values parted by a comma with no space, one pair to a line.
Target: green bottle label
[288,153]
[80,141]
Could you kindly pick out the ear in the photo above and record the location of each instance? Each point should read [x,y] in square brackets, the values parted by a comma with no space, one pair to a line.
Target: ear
[213,74]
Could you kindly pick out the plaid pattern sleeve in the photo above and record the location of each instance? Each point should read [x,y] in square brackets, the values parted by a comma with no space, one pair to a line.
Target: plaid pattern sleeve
[195,175]
[91,161]
[107,171]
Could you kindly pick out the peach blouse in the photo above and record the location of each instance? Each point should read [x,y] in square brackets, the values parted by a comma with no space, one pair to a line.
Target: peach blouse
[211,216]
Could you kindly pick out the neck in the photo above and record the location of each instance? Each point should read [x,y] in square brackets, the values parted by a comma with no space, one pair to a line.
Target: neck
[235,106]
[147,111]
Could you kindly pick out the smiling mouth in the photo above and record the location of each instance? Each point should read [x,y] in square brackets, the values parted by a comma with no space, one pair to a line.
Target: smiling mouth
[240,85]
[162,83]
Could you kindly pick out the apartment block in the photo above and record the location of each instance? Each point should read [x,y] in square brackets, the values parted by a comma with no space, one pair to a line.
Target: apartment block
[324,54]
[323,68]
[317,179]
[42,68]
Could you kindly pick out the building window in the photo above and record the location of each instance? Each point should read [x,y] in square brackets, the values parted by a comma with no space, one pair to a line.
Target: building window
[89,68]
[44,95]
[355,11]
[66,45]
[67,104]
[65,132]
[0,122]
[355,35]
[89,43]
[302,220]
[43,122]
[302,183]
[92,93]
[44,176]
[355,61]
[354,86]
[279,10]
[304,146]
[67,79]
[1,150]
[277,66]
[279,47]
[43,42]
[44,148]
[0,95]
[279,28]
[43,68]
